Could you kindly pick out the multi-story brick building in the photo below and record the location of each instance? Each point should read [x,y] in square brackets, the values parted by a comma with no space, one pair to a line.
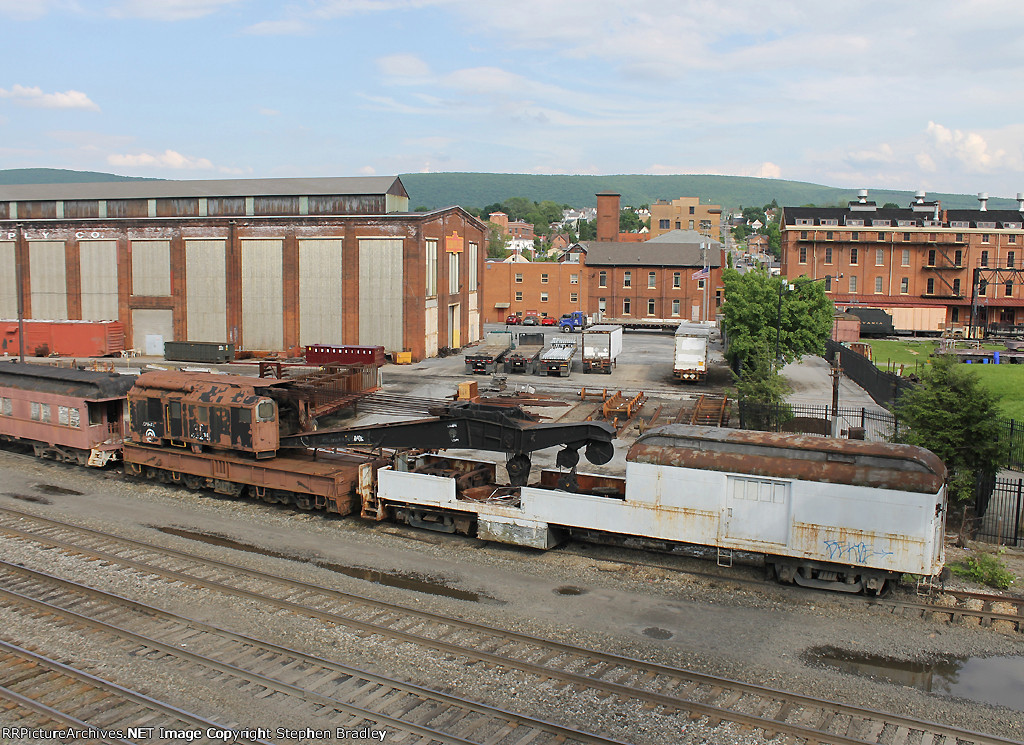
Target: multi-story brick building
[266,264]
[685,213]
[934,270]
[659,278]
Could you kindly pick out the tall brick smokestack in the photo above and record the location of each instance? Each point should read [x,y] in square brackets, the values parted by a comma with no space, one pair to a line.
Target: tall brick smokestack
[608,216]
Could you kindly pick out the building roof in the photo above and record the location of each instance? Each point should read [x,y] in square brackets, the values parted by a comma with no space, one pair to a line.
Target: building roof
[675,248]
[156,189]
[891,218]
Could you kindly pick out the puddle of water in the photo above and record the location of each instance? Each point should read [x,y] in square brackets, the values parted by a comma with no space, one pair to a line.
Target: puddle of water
[656,633]
[28,498]
[51,489]
[991,680]
[568,590]
[402,580]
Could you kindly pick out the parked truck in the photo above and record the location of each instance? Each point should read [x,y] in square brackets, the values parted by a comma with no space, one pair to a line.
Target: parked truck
[523,359]
[557,358]
[601,344]
[487,356]
[690,360]
[575,321]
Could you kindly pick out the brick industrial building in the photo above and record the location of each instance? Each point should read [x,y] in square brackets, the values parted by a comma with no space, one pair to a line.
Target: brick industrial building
[266,264]
[658,278]
[929,267]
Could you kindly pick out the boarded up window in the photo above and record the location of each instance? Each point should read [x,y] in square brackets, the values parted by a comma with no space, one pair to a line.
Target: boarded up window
[151,268]
[177,207]
[37,210]
[81,208]
[275,206]
[225,206]
[127,208]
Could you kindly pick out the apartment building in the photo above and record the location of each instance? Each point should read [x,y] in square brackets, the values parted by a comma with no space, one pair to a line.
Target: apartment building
[685,213]
[934,270]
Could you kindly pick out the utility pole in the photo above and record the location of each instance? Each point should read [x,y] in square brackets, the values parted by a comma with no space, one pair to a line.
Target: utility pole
[836,373]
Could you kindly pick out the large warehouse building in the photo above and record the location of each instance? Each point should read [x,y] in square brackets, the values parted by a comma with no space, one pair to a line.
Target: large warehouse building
[265,264]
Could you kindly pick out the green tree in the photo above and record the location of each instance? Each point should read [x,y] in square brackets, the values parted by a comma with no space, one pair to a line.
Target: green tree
[774,234]
[761,312]
[497,242]
[762,389]
[890,206]
[629,221]
[952,415]
[588,230]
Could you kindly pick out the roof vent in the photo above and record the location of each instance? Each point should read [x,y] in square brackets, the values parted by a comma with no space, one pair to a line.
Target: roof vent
[920,196]
[862,196]
[1020,201]
[983,201]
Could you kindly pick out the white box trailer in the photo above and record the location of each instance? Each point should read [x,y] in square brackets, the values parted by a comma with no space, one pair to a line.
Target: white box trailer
[835,514]
[602,345]
[690,356]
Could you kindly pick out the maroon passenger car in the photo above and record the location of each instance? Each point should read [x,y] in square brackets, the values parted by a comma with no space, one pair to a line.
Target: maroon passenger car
[76,416]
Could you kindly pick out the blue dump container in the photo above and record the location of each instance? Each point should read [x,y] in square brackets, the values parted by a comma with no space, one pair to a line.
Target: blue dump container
[985,361]
[995,358]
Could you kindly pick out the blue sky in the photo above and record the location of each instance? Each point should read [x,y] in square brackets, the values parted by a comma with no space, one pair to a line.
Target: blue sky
[852,94]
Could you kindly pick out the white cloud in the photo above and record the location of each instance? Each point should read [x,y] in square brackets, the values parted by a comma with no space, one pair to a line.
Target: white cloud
[883,153]
[368,171]
[24,10]
[167,10]
[403,66]
[285,27]
[969,148]
[34,96]
[166,159]
[268,112]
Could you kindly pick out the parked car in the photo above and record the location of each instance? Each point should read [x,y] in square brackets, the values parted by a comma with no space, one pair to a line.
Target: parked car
[548,321]
[531,321]
[513,320]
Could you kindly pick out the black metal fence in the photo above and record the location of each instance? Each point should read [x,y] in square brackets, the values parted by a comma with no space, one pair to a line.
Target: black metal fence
[1003,519]
[884,387]
[875,424]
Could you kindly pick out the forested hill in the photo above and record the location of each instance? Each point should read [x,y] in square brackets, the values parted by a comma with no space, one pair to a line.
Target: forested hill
[482,189]
[59,176]
[479,190]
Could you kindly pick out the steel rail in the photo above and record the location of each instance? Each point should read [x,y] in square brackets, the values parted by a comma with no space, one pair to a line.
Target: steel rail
[605,662]
[44,665]
[186,623]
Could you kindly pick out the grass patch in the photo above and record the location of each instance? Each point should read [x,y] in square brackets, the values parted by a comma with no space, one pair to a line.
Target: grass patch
[1005,381]
[985,569]
[889,353]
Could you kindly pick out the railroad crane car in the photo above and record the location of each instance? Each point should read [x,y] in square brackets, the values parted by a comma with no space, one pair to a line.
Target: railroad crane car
[826,513]
[71,415]
[243,436]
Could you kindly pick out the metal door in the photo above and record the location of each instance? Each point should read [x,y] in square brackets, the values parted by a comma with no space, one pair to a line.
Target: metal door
[757,510]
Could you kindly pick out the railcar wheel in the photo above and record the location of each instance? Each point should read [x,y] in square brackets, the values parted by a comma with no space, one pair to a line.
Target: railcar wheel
[518,467]
[195,483]
[567,458]
[600,453]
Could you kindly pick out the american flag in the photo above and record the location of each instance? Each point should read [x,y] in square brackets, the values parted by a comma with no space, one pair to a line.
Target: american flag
[702,274]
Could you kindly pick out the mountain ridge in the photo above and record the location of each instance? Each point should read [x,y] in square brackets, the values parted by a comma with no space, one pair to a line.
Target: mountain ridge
[478,190]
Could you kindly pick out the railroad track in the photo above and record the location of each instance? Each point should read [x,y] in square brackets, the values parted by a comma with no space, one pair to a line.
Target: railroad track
[710,411]
[350,698]
[999,612]
[36,685]
[572,671]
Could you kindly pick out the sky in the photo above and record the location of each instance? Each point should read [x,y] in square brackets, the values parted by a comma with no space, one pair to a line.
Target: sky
[900,95]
